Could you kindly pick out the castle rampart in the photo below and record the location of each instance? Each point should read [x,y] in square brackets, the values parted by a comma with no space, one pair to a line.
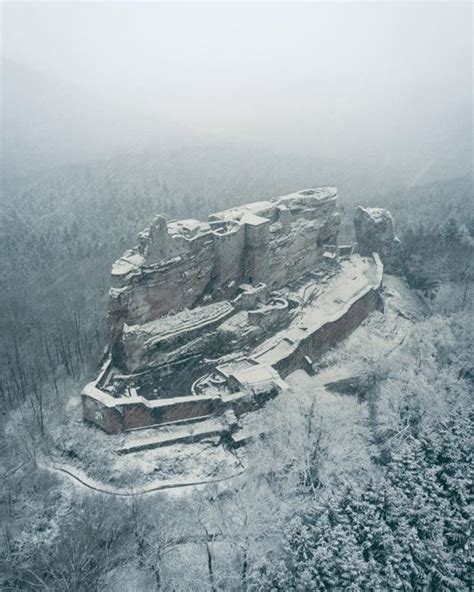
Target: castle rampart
[208,317]
[179,264]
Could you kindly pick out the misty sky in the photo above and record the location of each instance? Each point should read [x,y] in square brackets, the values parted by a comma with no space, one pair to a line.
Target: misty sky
[340,78]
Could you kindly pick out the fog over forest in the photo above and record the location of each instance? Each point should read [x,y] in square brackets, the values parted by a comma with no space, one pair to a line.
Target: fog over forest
[386,87]
[113,112]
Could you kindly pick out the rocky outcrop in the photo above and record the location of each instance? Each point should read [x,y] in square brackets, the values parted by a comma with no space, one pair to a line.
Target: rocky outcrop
[241,381]
[182,264]
[208,317]
[375,234]
[172,337]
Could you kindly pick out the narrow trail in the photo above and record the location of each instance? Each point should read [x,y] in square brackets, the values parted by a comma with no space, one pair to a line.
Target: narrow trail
[131,493]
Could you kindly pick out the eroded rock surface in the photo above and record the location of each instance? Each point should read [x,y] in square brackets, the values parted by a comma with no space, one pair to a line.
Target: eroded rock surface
[209,318]
[181,264]
[375,234]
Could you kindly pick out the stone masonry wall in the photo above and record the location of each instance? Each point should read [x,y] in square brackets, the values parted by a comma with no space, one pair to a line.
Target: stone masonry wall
[319,342]
[117,415]
[178,264]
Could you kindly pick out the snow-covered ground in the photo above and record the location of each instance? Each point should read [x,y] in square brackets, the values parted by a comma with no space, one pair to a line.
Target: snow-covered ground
[94,453]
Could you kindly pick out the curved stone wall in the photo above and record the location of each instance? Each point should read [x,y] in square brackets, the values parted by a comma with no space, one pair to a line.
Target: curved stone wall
[124,413]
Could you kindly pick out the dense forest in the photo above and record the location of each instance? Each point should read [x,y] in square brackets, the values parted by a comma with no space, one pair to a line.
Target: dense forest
[392,513]
[356,473]
[60,232]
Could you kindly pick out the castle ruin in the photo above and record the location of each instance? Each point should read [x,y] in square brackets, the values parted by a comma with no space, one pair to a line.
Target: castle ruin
[210,317]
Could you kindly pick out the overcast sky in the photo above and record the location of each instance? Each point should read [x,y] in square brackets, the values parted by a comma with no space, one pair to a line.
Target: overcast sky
[341,76]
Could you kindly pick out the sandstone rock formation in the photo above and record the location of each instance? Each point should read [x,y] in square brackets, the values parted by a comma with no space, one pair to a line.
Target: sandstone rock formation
[181,264]
[210,317]
[375,234]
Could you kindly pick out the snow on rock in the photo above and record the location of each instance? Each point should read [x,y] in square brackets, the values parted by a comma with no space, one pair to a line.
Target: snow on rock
[374,233]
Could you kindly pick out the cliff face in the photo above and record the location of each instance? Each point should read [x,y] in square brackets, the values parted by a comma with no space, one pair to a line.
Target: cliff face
[207,317]
[375,234]
[267,342]
[181,264]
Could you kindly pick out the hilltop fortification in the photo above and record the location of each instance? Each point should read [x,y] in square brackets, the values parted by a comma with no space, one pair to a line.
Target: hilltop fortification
[210,317]
[180,264]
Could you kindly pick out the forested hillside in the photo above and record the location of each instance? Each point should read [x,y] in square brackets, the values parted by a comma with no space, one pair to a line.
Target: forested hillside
[390,511]
[369,490]
[61,230]
[436,225]
[316,434]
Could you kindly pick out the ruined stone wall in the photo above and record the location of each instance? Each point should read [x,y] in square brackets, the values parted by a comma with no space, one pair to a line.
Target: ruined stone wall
[298,236]
[180,264]
[172,338]
[128,415]
[153,291]
[194,289]
[229,245]
[271,316]
[115,415]
[331,333]
[131,414]
[256,254]
[106,417]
